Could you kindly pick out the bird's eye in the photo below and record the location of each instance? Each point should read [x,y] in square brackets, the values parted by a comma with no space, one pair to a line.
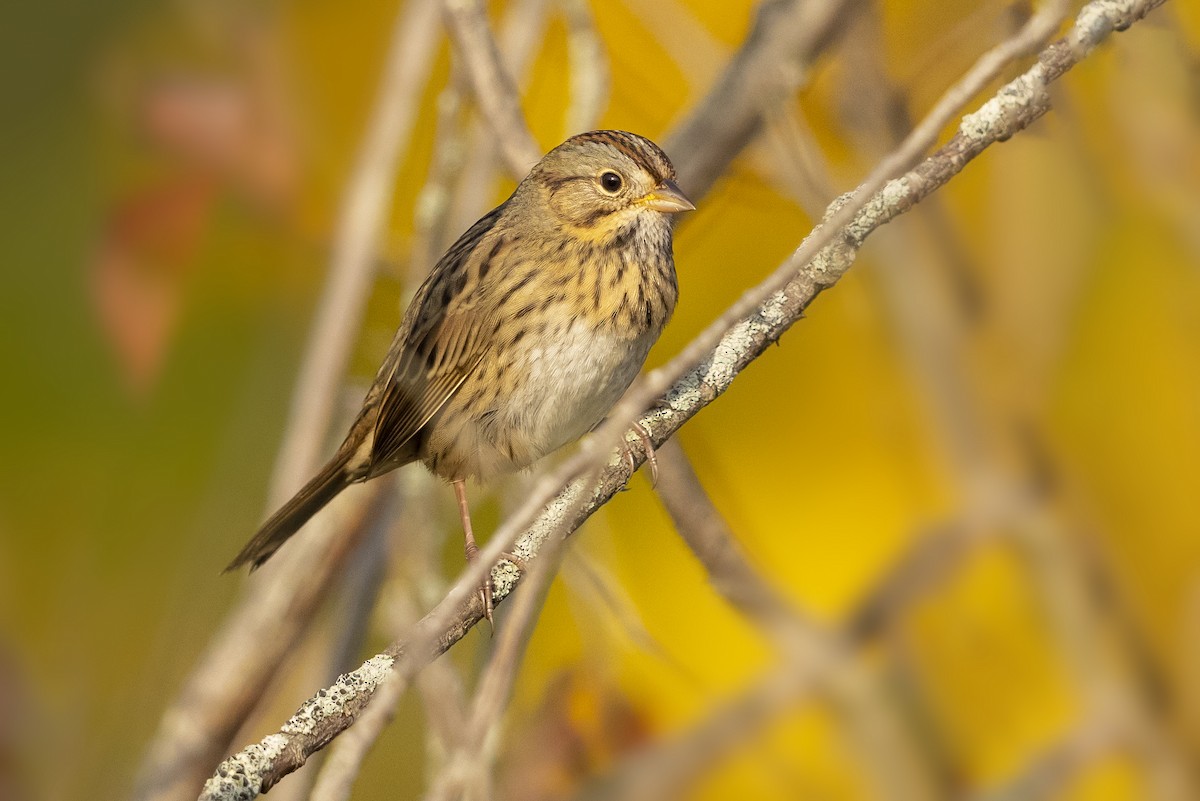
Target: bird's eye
[611,182]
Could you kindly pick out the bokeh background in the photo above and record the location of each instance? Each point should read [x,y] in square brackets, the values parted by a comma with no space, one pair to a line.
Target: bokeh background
[172,175]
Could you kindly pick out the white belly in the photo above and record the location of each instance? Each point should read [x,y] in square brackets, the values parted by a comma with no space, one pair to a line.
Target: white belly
[570,385]
[561,390]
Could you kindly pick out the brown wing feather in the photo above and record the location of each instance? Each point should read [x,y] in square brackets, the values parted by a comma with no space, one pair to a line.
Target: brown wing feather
[405,409]
[439,345]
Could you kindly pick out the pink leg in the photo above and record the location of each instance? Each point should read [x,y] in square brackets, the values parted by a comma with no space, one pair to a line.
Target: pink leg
[469,546]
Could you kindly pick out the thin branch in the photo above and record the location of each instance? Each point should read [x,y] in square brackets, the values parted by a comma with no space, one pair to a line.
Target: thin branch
[363,212]
[781,47]
[435,200]
[496,682]
[931,558]
[590,79]
[1098,673]
[720,353]
[419,585]
[699,55]
[444,700]
[613,599]
[1050,773]
[704,530]
[439,685]
[354,597]
[668,768]
[216,698]
[856,696]
[521,31]
[474,758]
[227,682]
[493,87]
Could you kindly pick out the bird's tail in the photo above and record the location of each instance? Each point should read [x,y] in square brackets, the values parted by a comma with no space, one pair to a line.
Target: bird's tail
[333,478]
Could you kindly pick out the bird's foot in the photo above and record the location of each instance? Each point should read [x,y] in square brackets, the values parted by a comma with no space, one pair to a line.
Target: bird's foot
[486,595]
[647,448]
[485,591]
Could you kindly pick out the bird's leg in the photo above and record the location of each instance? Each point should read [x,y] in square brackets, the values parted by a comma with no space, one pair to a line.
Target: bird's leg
[471,549]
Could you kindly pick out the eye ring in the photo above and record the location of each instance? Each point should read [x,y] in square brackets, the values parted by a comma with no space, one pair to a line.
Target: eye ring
[611,182]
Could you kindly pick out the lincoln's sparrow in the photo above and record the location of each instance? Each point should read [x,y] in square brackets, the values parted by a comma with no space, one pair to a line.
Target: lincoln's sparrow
[524,334]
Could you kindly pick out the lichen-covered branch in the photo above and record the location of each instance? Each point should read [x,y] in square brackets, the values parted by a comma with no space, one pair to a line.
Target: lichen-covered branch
[702,373]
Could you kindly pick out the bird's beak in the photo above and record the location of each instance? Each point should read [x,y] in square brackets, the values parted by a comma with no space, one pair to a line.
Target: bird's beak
[668,198]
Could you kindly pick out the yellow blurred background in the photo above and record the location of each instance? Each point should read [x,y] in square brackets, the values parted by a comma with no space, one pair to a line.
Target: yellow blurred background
[173,173]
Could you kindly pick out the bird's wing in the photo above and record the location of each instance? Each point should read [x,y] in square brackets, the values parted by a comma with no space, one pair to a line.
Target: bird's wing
[441,341]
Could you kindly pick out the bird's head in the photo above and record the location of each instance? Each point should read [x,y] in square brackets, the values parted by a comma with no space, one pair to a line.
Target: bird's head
[604,184]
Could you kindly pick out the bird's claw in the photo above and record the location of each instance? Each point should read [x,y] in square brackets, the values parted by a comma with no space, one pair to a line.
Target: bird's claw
[486,596]
[485,591]
[647,448]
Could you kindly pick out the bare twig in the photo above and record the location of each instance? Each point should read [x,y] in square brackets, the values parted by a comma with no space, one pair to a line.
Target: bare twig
[435,200]
[354,597]
[471,764]
[461,183]
[1098,673]
[227,682]
[721,353]
[856,694]
[216,698]
[363,211]
[496,682]
[779,50]
[1051,772]
[589,67]
[443,698]
[582,573]
[666,769]
[699,56]
[520,32]
[704,530]
[669,768]
[929,560]
[466,21]
[439,685]
[418,586]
